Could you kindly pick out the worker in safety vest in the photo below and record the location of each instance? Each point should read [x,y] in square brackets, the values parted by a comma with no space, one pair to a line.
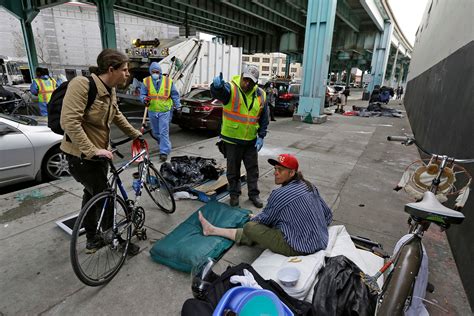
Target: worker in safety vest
[160,95]
[43,86]
[244,125]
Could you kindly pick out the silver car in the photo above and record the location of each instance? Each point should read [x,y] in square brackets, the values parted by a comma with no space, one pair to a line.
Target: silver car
[29,150]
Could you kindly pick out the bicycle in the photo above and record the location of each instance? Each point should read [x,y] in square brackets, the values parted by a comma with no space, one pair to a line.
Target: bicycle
[118,219]
[397,293]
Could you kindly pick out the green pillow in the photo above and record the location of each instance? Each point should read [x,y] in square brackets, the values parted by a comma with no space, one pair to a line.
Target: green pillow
[186,246]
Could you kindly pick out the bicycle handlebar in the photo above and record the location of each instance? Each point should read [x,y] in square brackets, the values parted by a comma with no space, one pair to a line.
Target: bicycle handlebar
[123,141]
[407,141]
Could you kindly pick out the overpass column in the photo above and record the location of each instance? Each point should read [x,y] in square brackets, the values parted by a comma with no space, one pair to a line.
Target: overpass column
[105,10]
[380,55]
[394,67]
[320,19]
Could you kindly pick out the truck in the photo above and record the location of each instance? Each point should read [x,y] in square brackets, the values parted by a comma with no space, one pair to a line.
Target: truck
[189,62]
[10,70]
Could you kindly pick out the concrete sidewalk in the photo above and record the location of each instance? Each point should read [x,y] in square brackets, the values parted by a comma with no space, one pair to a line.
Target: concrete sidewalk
[348,159]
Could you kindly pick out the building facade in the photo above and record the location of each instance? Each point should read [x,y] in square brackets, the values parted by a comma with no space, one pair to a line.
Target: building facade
[273,64]
[67,37]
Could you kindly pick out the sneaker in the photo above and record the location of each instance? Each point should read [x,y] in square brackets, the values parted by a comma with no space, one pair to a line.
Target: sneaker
[94,244]
[256,201]
[234,200]
[163,157]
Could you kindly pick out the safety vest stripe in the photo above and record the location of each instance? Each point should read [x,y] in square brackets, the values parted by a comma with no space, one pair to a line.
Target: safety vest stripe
[240,114]
[240,118]
[155,94]
[236,99]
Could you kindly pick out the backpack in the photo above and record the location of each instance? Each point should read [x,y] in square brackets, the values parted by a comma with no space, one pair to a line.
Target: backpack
[55,104]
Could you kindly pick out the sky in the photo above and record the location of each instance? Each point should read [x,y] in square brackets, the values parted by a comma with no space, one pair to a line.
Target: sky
[408,14]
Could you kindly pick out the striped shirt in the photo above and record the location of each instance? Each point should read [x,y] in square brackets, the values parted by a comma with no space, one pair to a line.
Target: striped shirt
[302,216]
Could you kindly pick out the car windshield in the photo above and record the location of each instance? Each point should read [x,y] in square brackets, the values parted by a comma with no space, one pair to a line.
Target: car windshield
[199,94]
[25,120]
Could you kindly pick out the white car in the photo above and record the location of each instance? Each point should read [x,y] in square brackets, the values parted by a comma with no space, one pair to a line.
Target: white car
[29,150]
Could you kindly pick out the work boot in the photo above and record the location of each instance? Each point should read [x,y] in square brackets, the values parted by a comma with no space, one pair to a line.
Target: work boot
[256,201]
[234,200]
[163,157]
[94,244]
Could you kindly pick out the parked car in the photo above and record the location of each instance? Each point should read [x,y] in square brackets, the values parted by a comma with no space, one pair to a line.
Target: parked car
[29,150]
[331,96]
[288,96]
[199,111]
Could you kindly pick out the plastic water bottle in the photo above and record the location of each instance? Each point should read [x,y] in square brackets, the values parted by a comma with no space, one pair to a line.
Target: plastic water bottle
[136,182]
[136,185]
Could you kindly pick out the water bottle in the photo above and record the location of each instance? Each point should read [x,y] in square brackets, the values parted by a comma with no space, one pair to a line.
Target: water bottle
[136,182]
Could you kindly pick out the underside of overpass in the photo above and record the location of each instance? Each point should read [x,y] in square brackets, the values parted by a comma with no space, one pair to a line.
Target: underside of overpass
[258,26]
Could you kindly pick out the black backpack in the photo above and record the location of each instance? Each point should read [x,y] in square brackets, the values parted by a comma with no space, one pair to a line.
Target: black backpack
[55,104]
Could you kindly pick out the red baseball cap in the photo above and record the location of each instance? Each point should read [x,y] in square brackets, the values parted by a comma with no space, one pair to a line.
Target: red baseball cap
[285,160]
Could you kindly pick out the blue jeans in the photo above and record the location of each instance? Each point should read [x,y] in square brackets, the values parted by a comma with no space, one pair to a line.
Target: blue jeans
[160,125]
[43,107]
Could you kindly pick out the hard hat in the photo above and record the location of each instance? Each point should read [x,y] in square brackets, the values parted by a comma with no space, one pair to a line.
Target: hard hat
[137,146]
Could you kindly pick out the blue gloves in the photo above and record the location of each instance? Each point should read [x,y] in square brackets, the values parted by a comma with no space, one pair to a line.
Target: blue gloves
[259,143]
[218,81]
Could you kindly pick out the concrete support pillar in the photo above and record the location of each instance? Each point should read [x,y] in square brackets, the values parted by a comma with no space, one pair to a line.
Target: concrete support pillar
[30,46]
[105,10]
[380,55]
[320,19]
[287,66]
[348,74]
[394,66]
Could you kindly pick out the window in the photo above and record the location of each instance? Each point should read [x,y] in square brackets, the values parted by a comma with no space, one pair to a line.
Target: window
[283,69]
[245,58]
[293,70]
[265,74]
[265,68]
[256,59]
[266,60]
[295,89]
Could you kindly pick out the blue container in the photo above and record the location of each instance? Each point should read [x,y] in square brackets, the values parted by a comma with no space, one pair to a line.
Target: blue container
[247,301]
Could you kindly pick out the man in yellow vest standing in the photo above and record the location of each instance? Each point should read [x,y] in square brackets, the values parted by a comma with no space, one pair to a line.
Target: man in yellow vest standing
[43,86]
[244,125]
[161,95]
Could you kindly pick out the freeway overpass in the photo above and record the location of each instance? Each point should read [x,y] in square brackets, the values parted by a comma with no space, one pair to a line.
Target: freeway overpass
[325,35]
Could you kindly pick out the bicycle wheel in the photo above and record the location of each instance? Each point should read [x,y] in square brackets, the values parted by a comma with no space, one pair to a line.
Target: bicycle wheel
[159,191]
[99,265]
[397,290]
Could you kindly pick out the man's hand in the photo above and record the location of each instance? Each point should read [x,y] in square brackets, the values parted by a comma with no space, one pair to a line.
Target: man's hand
[218,81]
[259,143]
[104,153]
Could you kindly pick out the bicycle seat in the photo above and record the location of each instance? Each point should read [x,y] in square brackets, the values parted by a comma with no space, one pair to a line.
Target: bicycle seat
[429,208]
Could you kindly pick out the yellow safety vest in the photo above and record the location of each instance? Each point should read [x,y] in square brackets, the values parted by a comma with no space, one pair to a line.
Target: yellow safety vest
[238,121]
[45,89]
[159,101]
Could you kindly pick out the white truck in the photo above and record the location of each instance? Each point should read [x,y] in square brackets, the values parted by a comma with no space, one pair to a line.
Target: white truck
[189,62]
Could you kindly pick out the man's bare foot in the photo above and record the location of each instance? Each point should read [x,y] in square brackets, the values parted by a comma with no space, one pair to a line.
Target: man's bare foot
[207,228]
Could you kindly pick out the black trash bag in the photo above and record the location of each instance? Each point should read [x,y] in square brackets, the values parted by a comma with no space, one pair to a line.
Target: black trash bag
[183,172]
[220,286]
[341,291]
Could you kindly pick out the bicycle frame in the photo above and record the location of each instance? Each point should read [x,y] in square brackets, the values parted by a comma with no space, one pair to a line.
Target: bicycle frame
[115,181]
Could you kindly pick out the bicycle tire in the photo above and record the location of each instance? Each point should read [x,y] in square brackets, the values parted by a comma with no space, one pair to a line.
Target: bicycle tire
[159,191]
[399,285]
[86,265]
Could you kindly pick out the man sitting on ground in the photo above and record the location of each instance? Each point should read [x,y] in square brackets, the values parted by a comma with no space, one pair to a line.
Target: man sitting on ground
[295,220]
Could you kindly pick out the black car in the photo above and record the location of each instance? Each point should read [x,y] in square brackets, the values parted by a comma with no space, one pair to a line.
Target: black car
[288,96]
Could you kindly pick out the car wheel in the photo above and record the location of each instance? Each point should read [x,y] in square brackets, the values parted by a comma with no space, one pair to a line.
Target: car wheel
[54,165]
